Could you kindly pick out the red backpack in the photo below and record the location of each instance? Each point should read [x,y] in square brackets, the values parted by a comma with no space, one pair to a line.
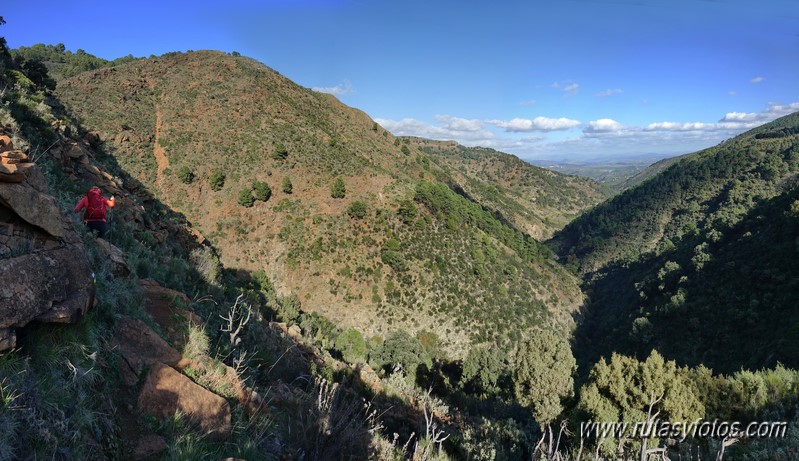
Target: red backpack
[95,208]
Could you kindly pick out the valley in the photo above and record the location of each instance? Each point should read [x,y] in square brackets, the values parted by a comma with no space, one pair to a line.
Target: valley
[335,291]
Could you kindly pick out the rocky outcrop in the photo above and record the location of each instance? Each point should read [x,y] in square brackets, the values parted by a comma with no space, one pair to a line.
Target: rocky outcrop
[45,272]
[139,346]
[117,259]
[166,391]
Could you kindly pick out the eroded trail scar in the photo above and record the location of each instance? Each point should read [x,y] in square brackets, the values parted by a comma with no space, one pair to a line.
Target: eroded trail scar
[160,157]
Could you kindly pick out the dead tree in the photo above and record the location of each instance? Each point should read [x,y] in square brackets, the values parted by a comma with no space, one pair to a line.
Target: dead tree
[236,320]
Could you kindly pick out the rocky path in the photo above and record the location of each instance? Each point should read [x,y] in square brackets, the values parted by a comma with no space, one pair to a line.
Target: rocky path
[158,151]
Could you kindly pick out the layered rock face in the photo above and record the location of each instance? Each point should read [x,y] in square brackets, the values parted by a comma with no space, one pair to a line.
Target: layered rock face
[45,272]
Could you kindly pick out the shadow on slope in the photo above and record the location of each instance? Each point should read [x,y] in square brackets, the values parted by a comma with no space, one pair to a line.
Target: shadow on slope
[724,301]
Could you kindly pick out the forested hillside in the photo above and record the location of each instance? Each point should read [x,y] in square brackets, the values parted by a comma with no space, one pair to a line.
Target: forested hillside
[698,262]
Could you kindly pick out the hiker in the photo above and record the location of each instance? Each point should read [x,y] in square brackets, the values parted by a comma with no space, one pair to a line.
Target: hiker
[95,204]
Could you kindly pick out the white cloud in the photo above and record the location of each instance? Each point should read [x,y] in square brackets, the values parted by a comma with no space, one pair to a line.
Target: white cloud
[773,111]
[451,128]
[740,117]
[609,92]
[757,79]
[569,87]
[679,126]
[572,89]
[522,125]
[604,125]
[551,138]
[459,124]
[776,110]
[339,90]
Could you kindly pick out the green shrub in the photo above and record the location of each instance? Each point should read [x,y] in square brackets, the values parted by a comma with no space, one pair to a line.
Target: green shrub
[482,369]
[217,181]
[406,211]
[289,308]
[401,352]
[287,186]
[351,345]
[338,189]
[262,190]
[245,198]
[357,210]
[185,175]
[391,255]
[319,328]
[280,152]
[404,149]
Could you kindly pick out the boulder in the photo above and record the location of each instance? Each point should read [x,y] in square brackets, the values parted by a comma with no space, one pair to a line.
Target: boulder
[14,172]
[5,143]
[33,206]
[118,260]
[76,151]
[166,392]
[169,310]
[295,332]
[46,273]
[8,339]
[139,346]
[36,283]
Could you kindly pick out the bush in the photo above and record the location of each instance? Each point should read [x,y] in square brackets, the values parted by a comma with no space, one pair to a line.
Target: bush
[320,329]
[217,181]
[406,211]
[404,149]
[391,255]
[287,186]
[351,345]
[245,198]
[482,369]
[185,175]
[289,308]
[357,210]
[262,191]
[338,189]
[402,352]
[280,152]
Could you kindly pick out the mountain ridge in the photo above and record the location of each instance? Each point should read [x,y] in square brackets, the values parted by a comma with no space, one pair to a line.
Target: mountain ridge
[217,114]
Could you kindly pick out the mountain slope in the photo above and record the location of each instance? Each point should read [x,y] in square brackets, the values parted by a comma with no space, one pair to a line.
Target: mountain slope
[647,173]
[534,199]
[699,261]
[710,189]
[380,257]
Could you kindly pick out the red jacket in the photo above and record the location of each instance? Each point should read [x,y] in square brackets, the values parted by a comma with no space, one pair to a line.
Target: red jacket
[94,215]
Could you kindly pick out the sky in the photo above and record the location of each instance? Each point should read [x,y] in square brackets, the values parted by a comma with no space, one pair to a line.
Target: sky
[560,80]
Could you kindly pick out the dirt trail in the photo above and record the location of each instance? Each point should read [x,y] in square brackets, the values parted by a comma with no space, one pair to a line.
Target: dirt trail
[160,157]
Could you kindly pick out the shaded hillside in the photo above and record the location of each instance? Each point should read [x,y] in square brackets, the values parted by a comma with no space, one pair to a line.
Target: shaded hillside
[728,301]
[209,133]
[710,190]
[698,262]
[534,199]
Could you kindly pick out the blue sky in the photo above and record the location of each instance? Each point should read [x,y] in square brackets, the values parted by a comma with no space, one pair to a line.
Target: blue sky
[560,79]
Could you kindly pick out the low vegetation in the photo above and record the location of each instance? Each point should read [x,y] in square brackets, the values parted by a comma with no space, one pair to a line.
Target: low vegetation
[434,253]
